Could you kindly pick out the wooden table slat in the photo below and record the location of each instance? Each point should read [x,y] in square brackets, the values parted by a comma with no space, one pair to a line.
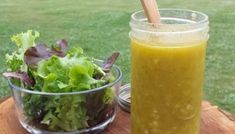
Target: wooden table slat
[214,120]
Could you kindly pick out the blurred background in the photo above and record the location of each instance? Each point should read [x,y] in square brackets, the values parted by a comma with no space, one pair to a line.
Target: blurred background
[102,26]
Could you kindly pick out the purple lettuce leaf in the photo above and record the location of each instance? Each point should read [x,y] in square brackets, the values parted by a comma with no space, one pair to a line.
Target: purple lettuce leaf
[35,54]
[61,48]
[108,63]
[23,76]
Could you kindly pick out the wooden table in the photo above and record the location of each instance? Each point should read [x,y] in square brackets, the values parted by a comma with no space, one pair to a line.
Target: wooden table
[214,121]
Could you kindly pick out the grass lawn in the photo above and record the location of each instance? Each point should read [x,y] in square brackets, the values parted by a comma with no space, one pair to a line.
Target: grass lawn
[102,26]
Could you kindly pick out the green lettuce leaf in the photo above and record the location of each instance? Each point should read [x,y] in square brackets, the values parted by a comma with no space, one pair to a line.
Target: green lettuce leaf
[73,72]
[15,60]
[65,113]
[25,40]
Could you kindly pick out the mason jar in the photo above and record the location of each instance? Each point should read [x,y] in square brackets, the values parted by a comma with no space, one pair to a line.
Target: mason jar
[167,71]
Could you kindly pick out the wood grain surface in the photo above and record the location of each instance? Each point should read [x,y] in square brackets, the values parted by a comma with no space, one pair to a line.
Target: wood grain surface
[214,121]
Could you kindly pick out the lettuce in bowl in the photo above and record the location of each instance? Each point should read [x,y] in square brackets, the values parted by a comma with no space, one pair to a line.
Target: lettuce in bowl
[55,85]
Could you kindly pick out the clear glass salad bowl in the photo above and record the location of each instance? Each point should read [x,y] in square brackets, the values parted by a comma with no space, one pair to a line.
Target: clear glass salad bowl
[83,112]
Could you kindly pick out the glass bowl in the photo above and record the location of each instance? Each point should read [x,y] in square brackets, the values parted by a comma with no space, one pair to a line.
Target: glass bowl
[83,112]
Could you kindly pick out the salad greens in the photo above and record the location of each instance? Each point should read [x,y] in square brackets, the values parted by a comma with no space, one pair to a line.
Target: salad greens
[23,41]
[56,70]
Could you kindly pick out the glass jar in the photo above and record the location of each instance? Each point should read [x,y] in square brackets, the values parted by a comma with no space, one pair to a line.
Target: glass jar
[167,71]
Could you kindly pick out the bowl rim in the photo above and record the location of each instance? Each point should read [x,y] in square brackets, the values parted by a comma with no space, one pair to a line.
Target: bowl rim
[118,79]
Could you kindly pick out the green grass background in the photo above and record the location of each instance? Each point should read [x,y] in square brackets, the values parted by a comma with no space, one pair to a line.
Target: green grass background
[102,26]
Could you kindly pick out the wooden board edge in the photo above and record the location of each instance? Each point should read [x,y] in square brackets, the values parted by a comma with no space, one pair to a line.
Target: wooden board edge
[4,98]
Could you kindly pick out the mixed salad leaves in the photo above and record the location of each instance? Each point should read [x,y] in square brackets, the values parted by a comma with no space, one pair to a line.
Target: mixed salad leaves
[58,69]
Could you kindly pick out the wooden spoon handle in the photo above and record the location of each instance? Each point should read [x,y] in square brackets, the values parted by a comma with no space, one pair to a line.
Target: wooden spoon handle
[151,11]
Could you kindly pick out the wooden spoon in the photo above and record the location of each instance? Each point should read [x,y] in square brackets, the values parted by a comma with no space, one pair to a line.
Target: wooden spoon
[151,11]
